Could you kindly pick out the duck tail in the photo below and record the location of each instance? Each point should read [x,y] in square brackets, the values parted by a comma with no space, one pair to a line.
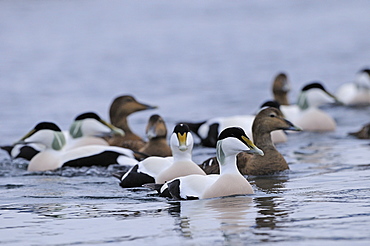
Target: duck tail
[7,148]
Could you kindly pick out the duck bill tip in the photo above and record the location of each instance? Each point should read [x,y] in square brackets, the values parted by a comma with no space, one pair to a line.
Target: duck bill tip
[151,107]
[119,132]
[255,150]
[259,152]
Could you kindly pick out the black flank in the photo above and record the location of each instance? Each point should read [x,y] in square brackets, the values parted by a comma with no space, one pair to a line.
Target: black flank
[211,139]
[174,189]
[102,159]
[135,179]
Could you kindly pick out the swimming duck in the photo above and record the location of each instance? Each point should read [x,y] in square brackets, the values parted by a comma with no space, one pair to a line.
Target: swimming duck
[306,113]
[231,141]
[53,156]
[156,132]
[358,92]
[267,120]
[159,170]
[208,131]
[89,129]
[363,133]
[120,109]
[281,88]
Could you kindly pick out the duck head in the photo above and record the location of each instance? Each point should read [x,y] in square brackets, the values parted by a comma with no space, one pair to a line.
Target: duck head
[315,95]
[47,134]
[362,79]
[156,127]
[181,138]
[90,124]
[281,88]
[232,141]
[270,119]
[123,106]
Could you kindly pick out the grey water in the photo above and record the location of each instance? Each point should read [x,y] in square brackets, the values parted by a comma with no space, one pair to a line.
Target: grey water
[194,60]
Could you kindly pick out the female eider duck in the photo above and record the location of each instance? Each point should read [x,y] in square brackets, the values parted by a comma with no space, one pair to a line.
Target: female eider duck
[208,131]
[281,88]
[156,132]
[53,156]
[159,170]
[306,113]
[120,109]
[358,92]
[231,141]
[266,121]
[89,129]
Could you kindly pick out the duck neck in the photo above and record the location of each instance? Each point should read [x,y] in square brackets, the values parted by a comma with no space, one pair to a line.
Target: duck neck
[282,98]
[121,122]
[228,165]
[262,139]
[181,156]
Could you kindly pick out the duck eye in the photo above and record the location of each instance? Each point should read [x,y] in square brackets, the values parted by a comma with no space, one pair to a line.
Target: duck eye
[272,115]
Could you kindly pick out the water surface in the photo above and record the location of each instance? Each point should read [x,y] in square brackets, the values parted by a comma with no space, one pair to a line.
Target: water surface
[194,60]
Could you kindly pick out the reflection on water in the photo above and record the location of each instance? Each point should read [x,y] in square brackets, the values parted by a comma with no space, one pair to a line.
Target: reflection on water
[219,63]
[225,218]
[269,184]
[269,209]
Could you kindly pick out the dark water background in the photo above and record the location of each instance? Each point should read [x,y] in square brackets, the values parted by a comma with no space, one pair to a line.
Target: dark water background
[195,60]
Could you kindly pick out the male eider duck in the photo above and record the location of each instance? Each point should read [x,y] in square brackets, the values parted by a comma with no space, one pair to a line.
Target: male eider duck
[358,92]
[306,114]
[156,132]
[120,109]
[231,141]
[281,88]
[159,170]
[266,121]
[208,131]
[89,129]
[53,156]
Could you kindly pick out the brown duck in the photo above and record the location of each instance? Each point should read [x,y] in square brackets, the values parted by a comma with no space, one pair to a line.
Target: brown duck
[156,132]
[267,120]
[281,88]
[120,109]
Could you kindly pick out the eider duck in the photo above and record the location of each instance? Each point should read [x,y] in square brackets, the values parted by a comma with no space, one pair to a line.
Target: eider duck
[266,121]
[156,132]
[306,114]
[120,109]
[231,141]
[159,170]
[53,156]
[358,92]
[89,129]
[208,131]
[281,88]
